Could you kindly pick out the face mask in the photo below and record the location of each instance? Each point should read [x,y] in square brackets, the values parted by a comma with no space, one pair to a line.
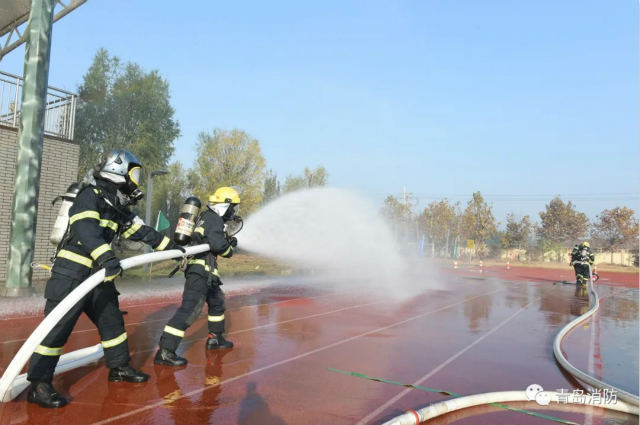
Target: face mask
[134,175]
[230,213]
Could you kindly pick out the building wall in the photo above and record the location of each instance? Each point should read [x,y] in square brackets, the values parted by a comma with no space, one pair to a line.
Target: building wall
[59,169]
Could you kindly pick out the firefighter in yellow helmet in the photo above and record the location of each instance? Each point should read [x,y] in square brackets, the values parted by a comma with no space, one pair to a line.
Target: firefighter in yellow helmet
[203,280]
[581,259]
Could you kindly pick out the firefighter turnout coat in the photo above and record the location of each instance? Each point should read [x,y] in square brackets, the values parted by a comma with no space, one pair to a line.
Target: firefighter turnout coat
[95,219]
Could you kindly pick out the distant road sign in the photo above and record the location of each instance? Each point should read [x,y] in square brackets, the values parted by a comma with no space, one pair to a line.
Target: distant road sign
[471,244]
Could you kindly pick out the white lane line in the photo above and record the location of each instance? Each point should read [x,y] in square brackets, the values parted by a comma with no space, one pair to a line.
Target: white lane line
[290,359]
[174,301]
[266,325]
[441,366]
[169,317]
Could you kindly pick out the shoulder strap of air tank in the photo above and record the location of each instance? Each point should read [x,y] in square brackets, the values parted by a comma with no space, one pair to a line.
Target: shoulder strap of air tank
[67,233]
[125,215]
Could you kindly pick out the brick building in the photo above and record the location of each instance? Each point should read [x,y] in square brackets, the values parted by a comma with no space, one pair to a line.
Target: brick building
[59,166]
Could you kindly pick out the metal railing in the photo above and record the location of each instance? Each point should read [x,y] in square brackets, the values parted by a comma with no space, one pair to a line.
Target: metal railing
[60,107]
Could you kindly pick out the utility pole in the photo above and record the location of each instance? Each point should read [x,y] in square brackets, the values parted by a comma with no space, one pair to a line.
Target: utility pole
[30,140]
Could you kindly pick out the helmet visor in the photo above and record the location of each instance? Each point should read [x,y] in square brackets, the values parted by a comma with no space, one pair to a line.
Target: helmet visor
[134,175]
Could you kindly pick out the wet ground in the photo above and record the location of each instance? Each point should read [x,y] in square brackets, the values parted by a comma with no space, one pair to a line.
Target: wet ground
[477,332]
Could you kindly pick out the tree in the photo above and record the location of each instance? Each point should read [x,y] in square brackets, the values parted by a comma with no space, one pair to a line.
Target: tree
[124,107]
[271,187]
[170,192]
[399,215]
[310,178]
[561,224]
[440,221]
[478,222]
[517,232]
[615,228]
[230,158]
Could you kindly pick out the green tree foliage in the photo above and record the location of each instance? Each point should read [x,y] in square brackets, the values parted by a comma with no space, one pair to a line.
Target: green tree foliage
[561,224]
[517,232]
[169,193]
[478,223]
[395,210]
[271,187]
[230,158]
[440,221]
[310,178]
[616,228]
[122,106]
[399,215]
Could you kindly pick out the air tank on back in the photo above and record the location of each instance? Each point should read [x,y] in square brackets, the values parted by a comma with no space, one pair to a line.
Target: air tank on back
[187,220]
[62,220]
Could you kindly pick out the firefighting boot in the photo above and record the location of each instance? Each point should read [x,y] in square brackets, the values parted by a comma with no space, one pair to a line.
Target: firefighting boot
[126,373]
[170,358]
[216,340]
[43,394]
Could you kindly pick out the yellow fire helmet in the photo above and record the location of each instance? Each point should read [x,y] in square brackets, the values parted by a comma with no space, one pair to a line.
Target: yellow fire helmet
[225,195]
[585,243]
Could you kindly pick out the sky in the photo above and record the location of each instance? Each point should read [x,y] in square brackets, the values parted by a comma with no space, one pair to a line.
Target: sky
[521,101]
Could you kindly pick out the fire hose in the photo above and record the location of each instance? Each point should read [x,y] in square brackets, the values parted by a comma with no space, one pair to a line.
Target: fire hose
[627,403]
[11,385]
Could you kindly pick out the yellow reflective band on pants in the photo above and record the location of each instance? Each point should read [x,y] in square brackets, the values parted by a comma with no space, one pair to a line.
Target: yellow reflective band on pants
[206,267]
[215,318]
[86,214]
[131,230]
[76,258]
[173,331]
[227,251]
[100,250]
[112,277]
[162,245]
[48,351]
[115,341]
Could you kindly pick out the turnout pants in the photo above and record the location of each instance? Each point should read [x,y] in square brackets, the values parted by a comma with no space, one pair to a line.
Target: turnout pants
[199,287]
[101,305]
[582,273]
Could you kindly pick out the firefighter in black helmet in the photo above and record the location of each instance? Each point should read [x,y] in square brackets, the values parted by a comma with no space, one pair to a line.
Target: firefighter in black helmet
[203,280]
[99,213]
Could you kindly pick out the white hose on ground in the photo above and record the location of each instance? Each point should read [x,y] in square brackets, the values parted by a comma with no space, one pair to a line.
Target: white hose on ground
[438,409]
[22,356]
[594,302]
[68,361]
[626,402]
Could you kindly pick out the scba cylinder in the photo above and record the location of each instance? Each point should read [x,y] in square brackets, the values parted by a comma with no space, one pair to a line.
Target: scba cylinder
[187,220]
[62,220]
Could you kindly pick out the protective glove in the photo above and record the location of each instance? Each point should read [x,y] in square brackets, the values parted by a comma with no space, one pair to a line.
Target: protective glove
[233,241]
[113,269]
[173,245]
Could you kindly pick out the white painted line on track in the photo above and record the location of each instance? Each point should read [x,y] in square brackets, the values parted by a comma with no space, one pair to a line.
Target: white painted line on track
[169,317]
[441,366]
[290,359]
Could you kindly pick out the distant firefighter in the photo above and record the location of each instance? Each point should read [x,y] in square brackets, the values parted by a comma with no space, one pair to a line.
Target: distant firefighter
[99,212]
[581,259]
[203,280]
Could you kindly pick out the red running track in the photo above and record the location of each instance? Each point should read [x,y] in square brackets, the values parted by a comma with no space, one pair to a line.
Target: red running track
[475,334]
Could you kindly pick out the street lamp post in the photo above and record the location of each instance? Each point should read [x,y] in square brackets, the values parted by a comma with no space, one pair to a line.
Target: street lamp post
[147,217]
